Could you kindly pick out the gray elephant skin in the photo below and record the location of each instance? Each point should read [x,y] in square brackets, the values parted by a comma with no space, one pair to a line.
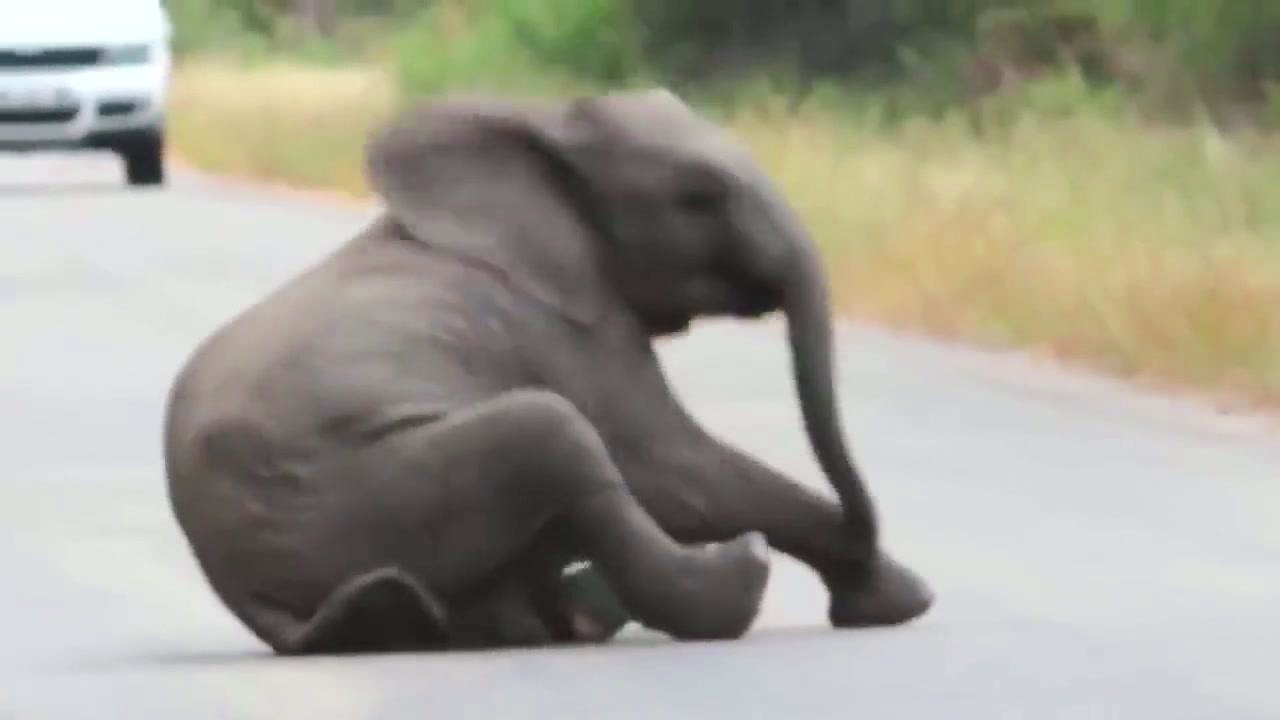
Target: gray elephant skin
[453,431]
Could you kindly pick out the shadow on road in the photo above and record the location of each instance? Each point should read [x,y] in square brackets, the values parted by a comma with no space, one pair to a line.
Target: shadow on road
[642,641]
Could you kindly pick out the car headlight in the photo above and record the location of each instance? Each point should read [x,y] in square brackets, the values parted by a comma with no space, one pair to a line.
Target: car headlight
[126,54]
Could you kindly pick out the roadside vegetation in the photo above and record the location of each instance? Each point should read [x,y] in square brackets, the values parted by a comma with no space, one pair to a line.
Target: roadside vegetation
[1099,182]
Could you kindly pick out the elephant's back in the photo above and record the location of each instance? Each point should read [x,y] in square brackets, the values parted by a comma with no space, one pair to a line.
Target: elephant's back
[263,502]
[265,411]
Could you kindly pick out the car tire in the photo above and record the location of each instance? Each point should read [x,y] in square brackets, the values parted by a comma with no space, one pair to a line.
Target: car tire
[144,161]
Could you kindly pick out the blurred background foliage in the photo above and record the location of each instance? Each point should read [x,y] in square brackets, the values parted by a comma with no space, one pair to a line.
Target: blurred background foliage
[1093,179]
[1174,56]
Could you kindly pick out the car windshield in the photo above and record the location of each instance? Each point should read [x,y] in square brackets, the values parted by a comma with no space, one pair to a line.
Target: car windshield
[18,8]
[79,21]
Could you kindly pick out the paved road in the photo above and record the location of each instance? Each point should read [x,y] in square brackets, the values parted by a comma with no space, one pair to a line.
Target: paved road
[1097,553]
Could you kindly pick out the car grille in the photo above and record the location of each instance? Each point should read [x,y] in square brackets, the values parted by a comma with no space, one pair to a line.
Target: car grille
[69,57]
[116,108]
[33,117]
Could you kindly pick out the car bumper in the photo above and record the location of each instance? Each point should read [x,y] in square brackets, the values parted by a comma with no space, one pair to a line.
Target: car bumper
[92,106]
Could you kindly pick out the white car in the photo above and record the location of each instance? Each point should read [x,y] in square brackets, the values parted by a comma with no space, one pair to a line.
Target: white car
[86,74]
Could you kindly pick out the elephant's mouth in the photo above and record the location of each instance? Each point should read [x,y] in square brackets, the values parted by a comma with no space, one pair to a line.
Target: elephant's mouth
[735,296]
[668,322]
[745,297]
[756,299]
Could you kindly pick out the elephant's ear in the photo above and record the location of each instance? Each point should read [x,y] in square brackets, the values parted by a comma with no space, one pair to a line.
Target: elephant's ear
[493,184]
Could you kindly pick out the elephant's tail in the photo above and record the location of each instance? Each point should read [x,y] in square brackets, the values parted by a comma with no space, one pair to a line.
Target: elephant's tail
[384,610]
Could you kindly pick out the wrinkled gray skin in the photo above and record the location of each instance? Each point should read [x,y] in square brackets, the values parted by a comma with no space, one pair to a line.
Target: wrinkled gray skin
[405,446]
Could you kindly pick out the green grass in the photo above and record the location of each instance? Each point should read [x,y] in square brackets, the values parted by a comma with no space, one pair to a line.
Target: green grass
[1066,226]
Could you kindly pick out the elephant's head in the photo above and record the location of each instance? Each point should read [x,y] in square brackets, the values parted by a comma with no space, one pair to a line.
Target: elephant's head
[683,223]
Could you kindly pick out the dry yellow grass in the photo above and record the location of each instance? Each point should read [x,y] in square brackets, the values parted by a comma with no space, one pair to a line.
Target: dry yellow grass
[1145,252]
[282,122]
[1149,253]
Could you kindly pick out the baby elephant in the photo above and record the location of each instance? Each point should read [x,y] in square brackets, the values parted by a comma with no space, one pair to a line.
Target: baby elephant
[405,446]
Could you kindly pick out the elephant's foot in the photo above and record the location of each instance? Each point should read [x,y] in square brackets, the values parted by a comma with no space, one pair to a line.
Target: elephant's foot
[589,609]
[721,588]
[890,594]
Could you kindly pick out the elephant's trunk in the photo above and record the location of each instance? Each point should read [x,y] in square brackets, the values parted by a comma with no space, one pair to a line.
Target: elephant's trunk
[805,301]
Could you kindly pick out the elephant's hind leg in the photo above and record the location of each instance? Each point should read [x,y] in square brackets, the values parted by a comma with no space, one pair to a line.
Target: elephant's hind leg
[385,610]
[589,610]
[539,603]
[484,485]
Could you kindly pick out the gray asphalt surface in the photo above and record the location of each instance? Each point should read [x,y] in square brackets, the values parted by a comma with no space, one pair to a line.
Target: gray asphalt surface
[1097,552]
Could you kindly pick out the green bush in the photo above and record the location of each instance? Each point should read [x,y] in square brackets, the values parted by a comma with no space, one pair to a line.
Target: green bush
[203,24]
[1222,49]
[518,45]
[919,56]
[1231,41]
[594,39]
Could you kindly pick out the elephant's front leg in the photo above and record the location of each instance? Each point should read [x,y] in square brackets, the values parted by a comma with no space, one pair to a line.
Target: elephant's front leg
[701,490]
